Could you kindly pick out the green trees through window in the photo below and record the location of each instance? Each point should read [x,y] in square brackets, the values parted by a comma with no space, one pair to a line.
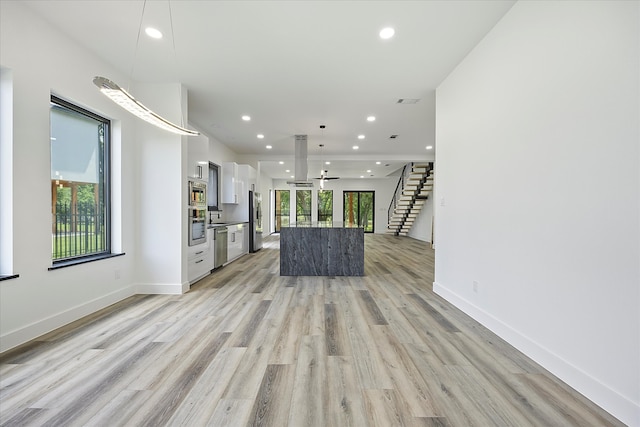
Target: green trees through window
[79,182]
[303,207]
[281,209]
[325,208]
[358,210]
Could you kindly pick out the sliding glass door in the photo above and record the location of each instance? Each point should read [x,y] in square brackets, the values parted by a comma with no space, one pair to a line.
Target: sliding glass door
[358,210]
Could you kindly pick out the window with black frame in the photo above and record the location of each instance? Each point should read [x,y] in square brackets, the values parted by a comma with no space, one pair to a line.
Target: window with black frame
[325,208]
[359,209]
[281,209]
[80,202]
[303,207]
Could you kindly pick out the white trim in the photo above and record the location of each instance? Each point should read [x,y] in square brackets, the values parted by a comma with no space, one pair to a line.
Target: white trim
[594,390]
[32,331]
[162,288]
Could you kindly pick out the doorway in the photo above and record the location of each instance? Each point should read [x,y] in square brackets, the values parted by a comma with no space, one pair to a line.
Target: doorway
[359,209]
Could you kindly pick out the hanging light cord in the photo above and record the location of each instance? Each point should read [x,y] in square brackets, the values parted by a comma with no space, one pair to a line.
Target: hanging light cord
[175,59]
[135,52]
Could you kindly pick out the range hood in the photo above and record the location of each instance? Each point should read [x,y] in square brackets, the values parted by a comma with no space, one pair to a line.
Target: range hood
[301,167]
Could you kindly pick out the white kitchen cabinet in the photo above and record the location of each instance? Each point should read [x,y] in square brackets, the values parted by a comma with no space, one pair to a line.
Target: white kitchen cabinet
[237,240]
[210,260]
[198,158]
[231,191]
[247,175]
[198,262]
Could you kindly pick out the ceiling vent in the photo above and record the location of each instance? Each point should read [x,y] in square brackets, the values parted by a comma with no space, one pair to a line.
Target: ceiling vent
[301,167]
[393,136]
[407,101]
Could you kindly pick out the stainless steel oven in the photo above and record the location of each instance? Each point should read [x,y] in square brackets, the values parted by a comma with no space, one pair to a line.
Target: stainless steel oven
[197,226]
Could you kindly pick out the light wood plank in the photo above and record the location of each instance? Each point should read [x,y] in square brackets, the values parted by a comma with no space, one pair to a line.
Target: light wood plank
[248,347]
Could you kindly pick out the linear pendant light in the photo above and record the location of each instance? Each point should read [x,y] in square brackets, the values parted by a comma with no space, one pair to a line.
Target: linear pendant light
[135,107]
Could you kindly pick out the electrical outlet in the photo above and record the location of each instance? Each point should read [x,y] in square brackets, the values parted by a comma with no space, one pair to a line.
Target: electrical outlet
[475,286]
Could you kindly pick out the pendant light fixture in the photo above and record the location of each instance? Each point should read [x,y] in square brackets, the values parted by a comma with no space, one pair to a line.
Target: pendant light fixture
[135,107]
[132,105]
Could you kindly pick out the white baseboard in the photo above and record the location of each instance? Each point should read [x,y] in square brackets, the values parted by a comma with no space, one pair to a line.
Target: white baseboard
[34,330]
[611,401]
[162,288]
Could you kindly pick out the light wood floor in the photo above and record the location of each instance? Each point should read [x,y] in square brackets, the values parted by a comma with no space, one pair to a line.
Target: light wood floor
[248,347]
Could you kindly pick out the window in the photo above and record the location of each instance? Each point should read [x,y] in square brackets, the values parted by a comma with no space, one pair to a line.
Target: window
[303,207]
[6,174]
[282,209]
[325,208]
[358,209]
[80,203]
[213,189]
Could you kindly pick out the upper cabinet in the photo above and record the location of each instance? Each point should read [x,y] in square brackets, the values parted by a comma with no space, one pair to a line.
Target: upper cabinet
[230,183]
[248,176]
[198,158]
[237,181]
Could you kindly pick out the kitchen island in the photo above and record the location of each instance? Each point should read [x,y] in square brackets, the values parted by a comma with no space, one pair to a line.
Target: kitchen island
[316,250]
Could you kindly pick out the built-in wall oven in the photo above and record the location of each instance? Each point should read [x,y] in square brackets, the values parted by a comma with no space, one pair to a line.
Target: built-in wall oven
[197,213]
[197,226]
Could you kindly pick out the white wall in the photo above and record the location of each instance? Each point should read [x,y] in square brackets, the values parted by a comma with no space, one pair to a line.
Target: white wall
[422,227]
[41,61]
[265,184]
[161,231]
[538,165]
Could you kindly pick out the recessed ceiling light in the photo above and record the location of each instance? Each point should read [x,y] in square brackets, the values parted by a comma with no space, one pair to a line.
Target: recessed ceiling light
[371,118]
[355,147]
[387,33]
[269,147]
[360,136]
[260,136]
[291,176]
[377,163]
[361,176]
[281,162]
[153,33]
[429,147]
[368,170]
[288,170]
[327,163]
[246,118]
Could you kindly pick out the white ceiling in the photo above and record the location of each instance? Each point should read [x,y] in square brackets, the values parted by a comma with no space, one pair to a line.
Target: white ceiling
[293,66]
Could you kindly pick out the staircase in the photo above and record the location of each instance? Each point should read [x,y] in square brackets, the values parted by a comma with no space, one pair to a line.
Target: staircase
[412,192]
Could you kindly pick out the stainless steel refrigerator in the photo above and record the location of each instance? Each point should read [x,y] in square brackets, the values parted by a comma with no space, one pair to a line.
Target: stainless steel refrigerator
[255,221]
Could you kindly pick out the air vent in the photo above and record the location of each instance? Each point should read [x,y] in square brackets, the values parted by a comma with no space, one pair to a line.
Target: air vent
[393,136]
[407,101]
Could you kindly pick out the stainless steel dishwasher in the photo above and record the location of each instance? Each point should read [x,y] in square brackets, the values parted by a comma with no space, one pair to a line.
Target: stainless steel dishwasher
[220,246]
